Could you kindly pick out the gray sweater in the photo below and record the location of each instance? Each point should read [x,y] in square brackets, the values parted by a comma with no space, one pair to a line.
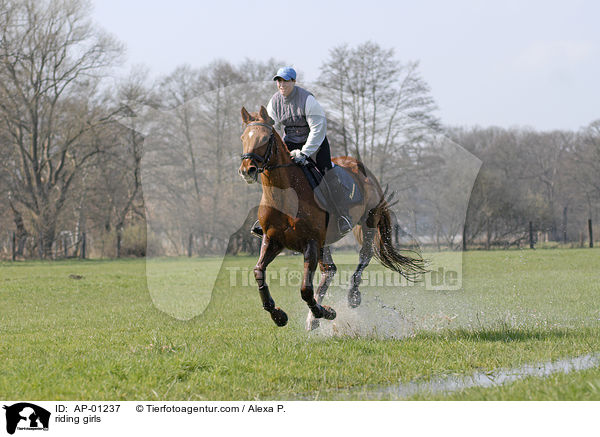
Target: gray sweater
[302,118]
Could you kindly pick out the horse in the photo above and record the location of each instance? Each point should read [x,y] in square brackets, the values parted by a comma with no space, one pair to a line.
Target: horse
[291,218]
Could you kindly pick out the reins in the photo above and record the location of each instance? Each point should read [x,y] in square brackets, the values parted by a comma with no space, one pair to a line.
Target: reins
[255,158]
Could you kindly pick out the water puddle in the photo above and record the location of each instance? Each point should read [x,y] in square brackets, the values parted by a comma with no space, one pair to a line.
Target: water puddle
[450,384]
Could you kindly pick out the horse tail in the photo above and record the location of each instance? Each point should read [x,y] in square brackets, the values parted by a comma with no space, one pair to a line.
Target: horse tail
[411,265]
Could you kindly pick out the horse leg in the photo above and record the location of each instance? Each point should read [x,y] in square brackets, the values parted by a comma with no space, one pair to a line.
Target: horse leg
[311,258]
[328,270]
[268,251]
[366,253]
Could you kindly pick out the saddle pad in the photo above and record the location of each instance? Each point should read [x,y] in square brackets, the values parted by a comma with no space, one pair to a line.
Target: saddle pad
[354,195]
[341,185]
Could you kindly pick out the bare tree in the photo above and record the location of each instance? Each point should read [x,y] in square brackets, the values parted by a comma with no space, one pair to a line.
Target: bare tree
[586,155]
[112,188]
[545,154]
[380,106]
[190,165]
[51,58]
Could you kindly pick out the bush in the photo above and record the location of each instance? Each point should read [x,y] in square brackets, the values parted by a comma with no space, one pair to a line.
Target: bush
[134,241]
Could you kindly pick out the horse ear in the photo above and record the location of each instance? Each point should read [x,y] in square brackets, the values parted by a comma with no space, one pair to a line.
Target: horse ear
[265,116]
[245,115]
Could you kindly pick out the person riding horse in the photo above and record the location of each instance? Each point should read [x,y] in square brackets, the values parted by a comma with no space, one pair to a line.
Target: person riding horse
[292,217]
[305,128]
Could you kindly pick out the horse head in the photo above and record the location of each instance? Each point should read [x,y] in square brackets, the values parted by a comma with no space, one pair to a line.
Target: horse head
[257,143]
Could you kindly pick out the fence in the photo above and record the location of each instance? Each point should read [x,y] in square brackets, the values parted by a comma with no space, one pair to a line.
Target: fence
[67,246]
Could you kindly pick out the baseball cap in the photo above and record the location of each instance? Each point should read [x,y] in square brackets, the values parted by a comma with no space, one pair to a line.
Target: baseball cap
[286,73]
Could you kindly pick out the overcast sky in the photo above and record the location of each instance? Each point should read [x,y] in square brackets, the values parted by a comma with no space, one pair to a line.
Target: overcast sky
[511,63]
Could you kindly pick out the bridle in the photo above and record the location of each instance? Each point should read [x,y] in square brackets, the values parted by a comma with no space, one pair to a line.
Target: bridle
[264,160]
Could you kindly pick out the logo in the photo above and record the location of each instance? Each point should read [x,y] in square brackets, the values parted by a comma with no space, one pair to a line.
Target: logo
[26,416]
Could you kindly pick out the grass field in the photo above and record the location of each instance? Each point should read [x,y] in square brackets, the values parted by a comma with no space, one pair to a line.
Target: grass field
[102,336]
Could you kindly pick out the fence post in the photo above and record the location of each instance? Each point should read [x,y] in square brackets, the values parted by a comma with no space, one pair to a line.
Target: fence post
[82,246]
[531,242]
[591,233]
[118,243]
[14,246]
[565,209]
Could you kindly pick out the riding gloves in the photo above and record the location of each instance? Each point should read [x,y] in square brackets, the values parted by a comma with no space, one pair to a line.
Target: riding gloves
[298,157]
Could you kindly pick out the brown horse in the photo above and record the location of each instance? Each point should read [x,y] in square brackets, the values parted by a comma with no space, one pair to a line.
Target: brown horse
[290,218]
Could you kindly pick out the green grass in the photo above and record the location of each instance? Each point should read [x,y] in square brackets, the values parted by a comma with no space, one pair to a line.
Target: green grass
[102,337]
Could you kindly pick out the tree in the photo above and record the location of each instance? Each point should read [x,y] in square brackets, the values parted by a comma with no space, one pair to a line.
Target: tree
[191,185]
[51,59]
[118,177]
[586,156]
[380,108]
[545,153]
[500,204]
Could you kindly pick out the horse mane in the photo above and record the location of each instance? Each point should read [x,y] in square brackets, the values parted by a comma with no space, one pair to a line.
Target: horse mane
[257,117]
[281,142]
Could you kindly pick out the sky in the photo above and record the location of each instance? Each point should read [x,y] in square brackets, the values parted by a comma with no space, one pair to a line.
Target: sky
[509,63]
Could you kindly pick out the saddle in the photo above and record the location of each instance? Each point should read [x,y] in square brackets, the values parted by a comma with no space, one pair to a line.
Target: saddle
[336,186]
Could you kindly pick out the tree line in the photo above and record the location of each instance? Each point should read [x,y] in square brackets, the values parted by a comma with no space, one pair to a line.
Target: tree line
[134,166]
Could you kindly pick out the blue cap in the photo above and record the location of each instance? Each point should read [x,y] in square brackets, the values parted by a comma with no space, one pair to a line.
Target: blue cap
[285,73]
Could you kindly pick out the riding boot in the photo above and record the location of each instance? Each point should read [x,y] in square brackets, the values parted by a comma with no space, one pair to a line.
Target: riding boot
[256,230]
[338,196]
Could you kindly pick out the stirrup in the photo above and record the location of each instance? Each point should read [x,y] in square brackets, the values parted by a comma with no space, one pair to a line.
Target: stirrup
[256,230]
[344,225]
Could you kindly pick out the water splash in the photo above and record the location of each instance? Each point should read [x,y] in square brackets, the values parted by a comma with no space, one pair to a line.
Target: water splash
[373,319]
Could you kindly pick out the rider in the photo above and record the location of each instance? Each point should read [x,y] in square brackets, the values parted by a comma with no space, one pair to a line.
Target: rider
[305,129]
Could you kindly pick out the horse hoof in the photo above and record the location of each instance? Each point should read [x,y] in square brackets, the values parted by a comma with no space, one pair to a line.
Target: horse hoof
[354,298]
[328,313]
[279,317]
[317,311]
